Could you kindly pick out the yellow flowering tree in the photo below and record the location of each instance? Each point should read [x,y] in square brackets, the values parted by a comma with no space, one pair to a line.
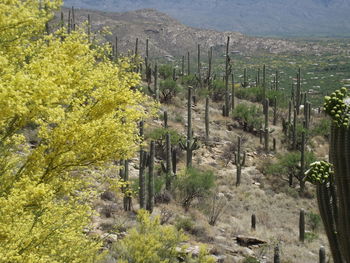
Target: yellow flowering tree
[82,111]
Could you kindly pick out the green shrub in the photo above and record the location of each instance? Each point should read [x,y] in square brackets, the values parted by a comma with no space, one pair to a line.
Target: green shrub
[289,163]
[218,90]
[151,242]
[255,94]
[193,183]
[314,221]
[321,128]
[184,223]
[165,71]
[249,116]
[158,135]
[168,89]
[190,80]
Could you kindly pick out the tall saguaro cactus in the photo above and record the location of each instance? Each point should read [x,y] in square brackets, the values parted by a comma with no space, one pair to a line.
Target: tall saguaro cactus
[227,75]
[239,160]
[333,179]
[191,143]
[150,196]
[206,119]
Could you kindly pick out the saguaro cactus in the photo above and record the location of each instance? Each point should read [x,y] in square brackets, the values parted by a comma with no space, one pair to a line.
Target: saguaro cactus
[239,161]
[155,91]
[302,225]
[333,179]
[233,92]
[227,75]
[207,119]
[150,196]
[322,255]
[191,143]
[253,225]
[266,128]
[169,169]
[276,256]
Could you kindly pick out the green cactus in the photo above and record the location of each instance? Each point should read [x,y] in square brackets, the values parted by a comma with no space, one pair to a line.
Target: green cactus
[302,225]
[169,169]
[165,120]
[275,110]
[298,98]
[150,196]
[239,161]
[333,179]
[188,64]
[266,128]
[207,119]
[127,194]
[276,256]
[228,70]
[264,83]
[322,255]
[245,82]
[253,222]
[155,90]
[142,166]
[233,93]
[191,143]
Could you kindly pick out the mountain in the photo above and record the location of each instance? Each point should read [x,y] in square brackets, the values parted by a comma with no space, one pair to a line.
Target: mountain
[252,17]
[169,37]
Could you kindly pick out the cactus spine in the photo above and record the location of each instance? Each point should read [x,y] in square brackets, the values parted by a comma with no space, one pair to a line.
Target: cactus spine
[150,197]
[239,161]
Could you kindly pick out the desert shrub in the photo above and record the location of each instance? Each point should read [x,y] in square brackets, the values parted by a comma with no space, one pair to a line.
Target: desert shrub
[158,135]
[190,80]
[193,183]
[218,90]
[168,89]
[151,242]
[255,94]
[215,206]
[165,71]
[249,116]
[314,221]
[321,128]
[184,223]
[289,163]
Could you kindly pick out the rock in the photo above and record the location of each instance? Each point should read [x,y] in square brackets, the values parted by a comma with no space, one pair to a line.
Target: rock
[110,238]
[247,241]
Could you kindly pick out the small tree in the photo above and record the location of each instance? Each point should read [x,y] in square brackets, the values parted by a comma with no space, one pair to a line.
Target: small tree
[192,184]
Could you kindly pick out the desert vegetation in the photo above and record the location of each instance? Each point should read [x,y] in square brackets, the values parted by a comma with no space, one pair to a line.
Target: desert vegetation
[118,157]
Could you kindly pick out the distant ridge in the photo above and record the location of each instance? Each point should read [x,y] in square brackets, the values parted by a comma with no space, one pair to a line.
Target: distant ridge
[169,37]
[326,18]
